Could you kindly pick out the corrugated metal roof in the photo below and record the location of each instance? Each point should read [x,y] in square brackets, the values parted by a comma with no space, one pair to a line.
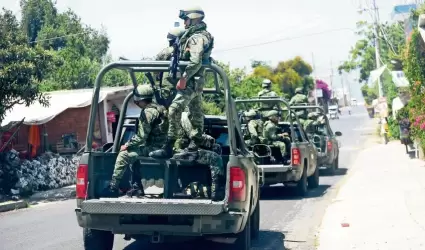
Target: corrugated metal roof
[36,114]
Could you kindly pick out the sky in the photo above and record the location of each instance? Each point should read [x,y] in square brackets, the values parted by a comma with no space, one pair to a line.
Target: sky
[138,29]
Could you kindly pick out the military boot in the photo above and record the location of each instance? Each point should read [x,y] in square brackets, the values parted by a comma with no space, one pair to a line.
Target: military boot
[190,153]
[136,190]
[111,191]
[166,151]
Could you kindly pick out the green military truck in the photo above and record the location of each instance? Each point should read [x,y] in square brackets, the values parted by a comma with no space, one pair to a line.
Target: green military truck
[324,139]
[297,168]
[164,216]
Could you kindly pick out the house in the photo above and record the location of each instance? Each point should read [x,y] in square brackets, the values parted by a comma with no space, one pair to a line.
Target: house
[62,126]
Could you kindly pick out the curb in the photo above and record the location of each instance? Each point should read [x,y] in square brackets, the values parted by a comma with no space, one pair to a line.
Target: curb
[59,194]
[12,205]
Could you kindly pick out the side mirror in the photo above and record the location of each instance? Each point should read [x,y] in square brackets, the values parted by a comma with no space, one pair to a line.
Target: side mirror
[337,133]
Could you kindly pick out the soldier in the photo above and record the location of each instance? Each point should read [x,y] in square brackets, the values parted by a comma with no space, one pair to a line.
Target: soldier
[310,123]
[206,156]
[153,124]
[195,46]
[270,134]
[167,82]
[254,128]
[267,92]
[298,98]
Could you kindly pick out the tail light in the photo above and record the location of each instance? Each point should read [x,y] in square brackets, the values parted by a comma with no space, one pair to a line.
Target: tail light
[329,145]
[296,156]
[82,176]
[237,184]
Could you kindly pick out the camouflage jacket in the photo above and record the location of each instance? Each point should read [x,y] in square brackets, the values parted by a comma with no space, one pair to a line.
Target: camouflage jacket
[255,129]
[270,132]
[196,45]
[152,127]
[298,99]
[267,93]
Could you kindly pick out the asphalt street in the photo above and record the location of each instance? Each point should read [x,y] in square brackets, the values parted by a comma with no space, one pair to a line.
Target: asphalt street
[53,226]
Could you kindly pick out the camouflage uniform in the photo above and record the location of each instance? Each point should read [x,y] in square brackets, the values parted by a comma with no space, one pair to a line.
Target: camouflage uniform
[267,92]
[195,46]
[254,129]
[205,157]
[270,133]
[298,98]
[152,126]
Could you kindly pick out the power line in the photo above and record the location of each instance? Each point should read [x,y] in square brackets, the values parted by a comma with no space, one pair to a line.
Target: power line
[284,39]
[57,37]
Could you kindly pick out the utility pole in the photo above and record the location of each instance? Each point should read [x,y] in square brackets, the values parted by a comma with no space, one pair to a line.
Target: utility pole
[377,45]
[331,80]
[343,91]
[314,80]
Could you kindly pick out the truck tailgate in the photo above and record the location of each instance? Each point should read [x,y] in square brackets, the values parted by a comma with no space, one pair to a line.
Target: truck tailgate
[152,206]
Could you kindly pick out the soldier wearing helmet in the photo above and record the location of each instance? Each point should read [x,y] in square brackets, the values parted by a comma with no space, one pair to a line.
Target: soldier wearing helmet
[267,92]
[254,128]
[270,132]
[152,125]
[298,98]
[168,83]
[195,46]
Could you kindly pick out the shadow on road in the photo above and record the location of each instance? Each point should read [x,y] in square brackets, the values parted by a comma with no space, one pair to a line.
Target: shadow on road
[287,193]
[267,240]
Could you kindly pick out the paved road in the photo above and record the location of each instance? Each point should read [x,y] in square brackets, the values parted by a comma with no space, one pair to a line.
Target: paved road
[53,226]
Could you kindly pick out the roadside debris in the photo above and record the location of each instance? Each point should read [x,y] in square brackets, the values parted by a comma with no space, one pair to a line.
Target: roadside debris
[47,171]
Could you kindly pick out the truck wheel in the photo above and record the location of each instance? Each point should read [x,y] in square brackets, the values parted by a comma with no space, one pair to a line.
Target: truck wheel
[313,181]
[97,239]
[255,224]
[332,168]
[336,163]
[243,240]
[301,188]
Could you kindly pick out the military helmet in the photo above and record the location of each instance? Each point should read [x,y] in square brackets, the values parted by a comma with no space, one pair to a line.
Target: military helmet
[266,83]
[300,113]
[298,90]
[250,113]
[175,32]
[312,115]
[192,13]
[271,113]
[143,92]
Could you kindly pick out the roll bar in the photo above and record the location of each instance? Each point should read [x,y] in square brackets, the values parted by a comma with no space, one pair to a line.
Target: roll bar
[273,100]
[309,107]
[156,66]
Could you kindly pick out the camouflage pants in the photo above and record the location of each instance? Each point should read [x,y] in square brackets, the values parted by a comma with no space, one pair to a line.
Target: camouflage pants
[128,157]
[192,99]
[280,145]
[214,160]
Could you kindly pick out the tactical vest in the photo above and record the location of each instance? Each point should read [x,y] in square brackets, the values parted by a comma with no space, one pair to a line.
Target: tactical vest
[206,57]
[159,126]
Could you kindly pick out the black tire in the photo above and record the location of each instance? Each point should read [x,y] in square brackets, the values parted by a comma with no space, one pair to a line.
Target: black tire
[301,188]
[336,163]
[243,239]
[313,181]
[97,240]
[331,170]
[255,221]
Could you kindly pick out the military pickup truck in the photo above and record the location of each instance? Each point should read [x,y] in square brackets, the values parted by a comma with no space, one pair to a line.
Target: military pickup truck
[298,167]
[162,216]
[324,139]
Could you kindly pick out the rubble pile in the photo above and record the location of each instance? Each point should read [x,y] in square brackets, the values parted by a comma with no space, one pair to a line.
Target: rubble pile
[48,171]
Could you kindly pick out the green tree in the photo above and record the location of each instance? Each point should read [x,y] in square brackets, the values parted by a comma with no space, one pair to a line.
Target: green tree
[22,67]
